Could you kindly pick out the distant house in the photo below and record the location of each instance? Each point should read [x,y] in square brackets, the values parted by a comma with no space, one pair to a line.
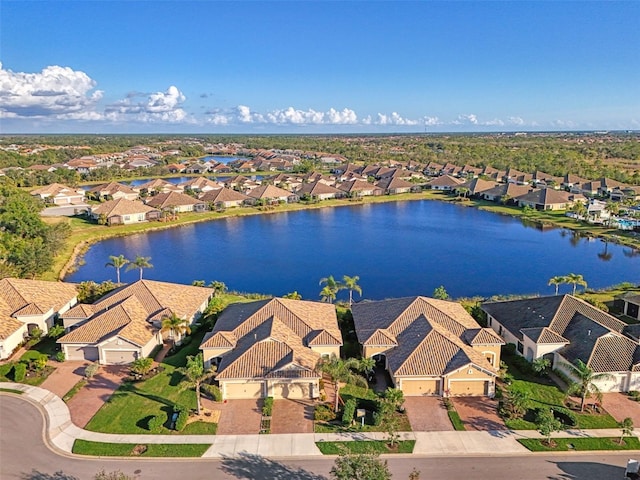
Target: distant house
[197,168]
[176,202]
[360,188]
[429,346]
[123,211]
[224,198]
[155,186]
[200,184]
[271,348]
[506,191]
[620,194]
[26,305]
[394,185]
[269,193]
[549,199]
[565,329]
[320,190]
[59,194]
[113,191]
[175,168]
[444,183]
[476,186]
[125,324]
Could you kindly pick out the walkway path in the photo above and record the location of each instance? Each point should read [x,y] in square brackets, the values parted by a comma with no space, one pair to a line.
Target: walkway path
[62,433]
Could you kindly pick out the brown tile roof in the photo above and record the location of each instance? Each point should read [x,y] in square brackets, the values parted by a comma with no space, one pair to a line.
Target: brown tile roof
[81,310]
[223,195]
[18,293]
[269,191]
[614,353]
[381,337]
[171,199]
[56,188]
[199,183]
[8,325]
[111,188]
[120,207]
[155,184]
[571,305]
[445,181]
[391,183]
[357,186]
[318,188]
[550,196]
[485,336]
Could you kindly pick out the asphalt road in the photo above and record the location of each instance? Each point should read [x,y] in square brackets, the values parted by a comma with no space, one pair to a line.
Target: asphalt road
[24,456]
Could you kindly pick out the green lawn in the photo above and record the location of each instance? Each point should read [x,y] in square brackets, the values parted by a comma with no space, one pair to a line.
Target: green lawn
[456,421]
[47,346]
[130,407]
[582,444]
[544,393]
[84,447]
[75,389]
[371,446]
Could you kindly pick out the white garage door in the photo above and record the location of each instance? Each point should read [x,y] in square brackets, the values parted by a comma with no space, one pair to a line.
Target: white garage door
[292,390]
[82,352]
[119,357]
[243,390]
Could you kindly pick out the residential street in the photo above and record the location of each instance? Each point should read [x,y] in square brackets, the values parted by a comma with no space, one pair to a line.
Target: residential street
[24,456]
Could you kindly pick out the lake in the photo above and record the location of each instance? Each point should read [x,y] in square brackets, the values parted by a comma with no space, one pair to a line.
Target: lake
[397,249]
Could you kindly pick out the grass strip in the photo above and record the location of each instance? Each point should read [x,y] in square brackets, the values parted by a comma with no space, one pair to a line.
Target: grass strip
[456,421]
[85,447]
[370,446]
[581,444]
[75,389]
[11,390]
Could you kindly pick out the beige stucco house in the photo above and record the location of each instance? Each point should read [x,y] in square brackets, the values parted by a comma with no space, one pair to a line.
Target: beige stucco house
[123,211]
[59,194]
[272,348]
[125,324]
[429,346]
[29,304]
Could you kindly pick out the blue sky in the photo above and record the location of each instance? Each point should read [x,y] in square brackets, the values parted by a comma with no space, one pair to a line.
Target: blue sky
[318,67]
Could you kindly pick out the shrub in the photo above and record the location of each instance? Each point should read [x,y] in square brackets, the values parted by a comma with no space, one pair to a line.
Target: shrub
[91,369]
[634,394]
[38,363]
[213,391]
[509,350]
[566,416]
[155,423]
[183,417]
[60,357]
[267,408]
[324,413]
[349,411]
[19,372]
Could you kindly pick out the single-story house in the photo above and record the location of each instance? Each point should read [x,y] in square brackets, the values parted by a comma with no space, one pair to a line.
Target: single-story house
[125,324]
[475,186]
[271,193]
[59,194]
[29,304]
[113,191]
[360,188]
[429,346]
[123,211]
[565,329]
[200,184]
[271,348]
[176,202]
[550,199]
[505,191]
[224,197]
[320,190]
[445,183]
[155,186]
[394,185]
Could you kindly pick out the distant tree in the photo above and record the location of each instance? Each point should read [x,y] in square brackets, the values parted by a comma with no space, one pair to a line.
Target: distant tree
[140,263]
[557,281]
[360,467]
[293,295]
[219,288]
[575,279]
[176,327]
[440,293]
[196,375]
[55,331]
[198,283]
[614,209]
[117,262]
[351,284]
[327,294]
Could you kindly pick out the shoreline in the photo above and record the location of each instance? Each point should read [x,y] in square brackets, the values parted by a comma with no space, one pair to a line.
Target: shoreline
[77,245]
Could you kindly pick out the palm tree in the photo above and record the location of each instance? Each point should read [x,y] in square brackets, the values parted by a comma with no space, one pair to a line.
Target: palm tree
[351,284]
[293,295]
[117,263]
[557,281]
[196,375]
[342,371]
[585,385]
[613,208]
[140,263]
[575,279]
[327,294]
[218,287]
[579,209]
[176,327]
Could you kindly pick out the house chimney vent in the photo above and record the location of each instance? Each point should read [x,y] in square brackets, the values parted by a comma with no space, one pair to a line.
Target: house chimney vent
[589,332]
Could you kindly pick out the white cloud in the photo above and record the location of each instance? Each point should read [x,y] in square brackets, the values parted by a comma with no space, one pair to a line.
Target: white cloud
[466,119]
[158,107]
[54,92]
[432,121]
[394,119]
[243,114]
[516,121]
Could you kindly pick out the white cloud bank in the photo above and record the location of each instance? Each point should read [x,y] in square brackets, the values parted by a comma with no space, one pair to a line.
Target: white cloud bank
[243,114]
[158,107]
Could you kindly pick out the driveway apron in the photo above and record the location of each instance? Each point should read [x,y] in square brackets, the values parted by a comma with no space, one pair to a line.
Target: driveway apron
[427,414]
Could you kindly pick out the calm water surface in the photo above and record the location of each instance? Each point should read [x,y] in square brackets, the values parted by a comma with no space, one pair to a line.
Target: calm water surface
[397,249]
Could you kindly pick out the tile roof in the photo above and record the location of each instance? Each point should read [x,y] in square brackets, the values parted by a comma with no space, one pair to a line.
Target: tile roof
[484,336]
[223,195]
[445,181]
[543,335]
[269,191]
[171,199]
[269,335]
[121,207]
[550,196]
[81,310]
[18,293]
[613,353]
[111,188]
[8,324]
[318,188]
[391,183]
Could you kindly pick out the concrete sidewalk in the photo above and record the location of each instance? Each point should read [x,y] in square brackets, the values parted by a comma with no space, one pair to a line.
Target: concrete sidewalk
[62,433]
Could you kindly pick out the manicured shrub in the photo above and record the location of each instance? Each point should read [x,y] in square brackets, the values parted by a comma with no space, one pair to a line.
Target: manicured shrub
[60,357]
[91,369]
[155,422]
[19,372]
[349,411]
[324,413]
[183,417]
[213,391]
[267,408]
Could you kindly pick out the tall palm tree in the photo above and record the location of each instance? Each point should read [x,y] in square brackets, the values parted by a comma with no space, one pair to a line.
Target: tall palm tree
[613,208]
[351,284]
[327,294]
[579,209]
[140,263]
[340,370]
[218,287]
[195,375]
[176,327]
[575,279]
[557,281]
[117,263]
[585,386]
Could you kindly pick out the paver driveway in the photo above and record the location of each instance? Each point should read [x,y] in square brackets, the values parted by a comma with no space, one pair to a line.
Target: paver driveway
[292,416]
[65,376]
[92,396]
[479,413]
[427,414]
[620,406]
[239,417]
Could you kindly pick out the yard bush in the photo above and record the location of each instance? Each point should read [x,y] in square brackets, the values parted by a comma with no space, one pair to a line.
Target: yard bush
[509,350]
[324,413]
[156,422]
[267,408]
[60,357]
[635,395]
[19,372]
[213,391]
[349,411]
[183,416]
[566,416]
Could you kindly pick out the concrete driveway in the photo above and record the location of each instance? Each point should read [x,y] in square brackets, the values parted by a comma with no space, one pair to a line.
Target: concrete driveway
[479,413]
[621,406]
[427,414]
[239,417]
[292,416]
[63,211]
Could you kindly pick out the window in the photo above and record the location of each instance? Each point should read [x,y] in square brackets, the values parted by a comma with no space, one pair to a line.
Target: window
[520,347]
[489,321]
[500,330]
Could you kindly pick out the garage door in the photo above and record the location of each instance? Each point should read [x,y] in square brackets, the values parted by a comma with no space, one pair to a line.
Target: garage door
[119,357]
[292,390]
[83,352]
[467,387]
[243,390]
[420,387]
